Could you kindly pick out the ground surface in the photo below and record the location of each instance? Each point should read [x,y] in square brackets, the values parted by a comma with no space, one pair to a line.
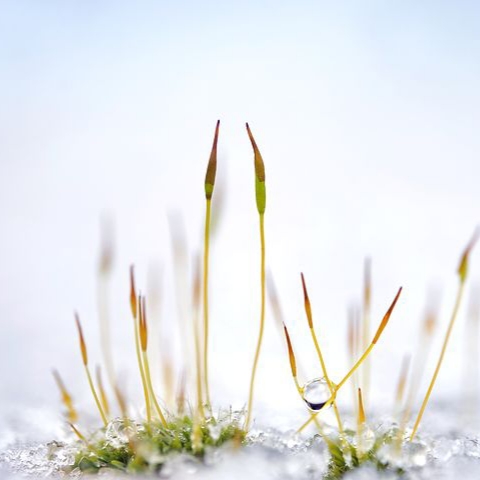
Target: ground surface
[447,448]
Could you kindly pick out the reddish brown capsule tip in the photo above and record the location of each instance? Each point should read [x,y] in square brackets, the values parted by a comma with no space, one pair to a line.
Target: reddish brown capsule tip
[212,165]
[385,319]
[308,308]
[259,165]
[291,355]
[83,346]
[133,293]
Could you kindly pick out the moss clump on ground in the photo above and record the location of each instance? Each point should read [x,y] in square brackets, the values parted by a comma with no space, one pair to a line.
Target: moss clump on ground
[131,447]
[377,449]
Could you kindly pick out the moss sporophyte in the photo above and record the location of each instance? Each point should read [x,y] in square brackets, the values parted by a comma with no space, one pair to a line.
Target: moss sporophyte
[191,427]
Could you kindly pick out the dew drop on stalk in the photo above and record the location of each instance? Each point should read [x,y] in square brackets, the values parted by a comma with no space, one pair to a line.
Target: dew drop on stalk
[316,393]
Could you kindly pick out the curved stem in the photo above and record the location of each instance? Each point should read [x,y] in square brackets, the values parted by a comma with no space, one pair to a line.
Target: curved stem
[359,362]
[262,321]
[198,366]
[150,387]
[206,255]
[440,359]
[340,385]
[142,371]
[95,396]
[367,293]
[331,388]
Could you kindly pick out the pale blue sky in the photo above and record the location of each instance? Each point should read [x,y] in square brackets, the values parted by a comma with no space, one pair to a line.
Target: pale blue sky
[366,112]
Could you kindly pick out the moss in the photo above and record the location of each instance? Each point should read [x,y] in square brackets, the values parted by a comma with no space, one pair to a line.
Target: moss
[131,447]
[345,456]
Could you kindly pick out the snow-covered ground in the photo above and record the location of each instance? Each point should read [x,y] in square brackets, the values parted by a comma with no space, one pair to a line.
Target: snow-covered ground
[443,451]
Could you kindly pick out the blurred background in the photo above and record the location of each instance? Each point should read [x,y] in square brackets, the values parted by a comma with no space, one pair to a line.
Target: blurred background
[367,117]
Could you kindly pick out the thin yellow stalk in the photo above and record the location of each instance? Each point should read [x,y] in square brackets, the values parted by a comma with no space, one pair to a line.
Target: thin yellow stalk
[209,187]
[83,350]
[78,434]
[359,362]
[261,196]
[199,416]
[379,332]
[103,394]
[95,395]
[367,299]
[196,332]
[440,360]
[67,400]
[293,368]
[206,255]
[135,306]
[352,339]
[152,393]
[144,344]
[462,274]
[471,363]
[421,356]
[331,388]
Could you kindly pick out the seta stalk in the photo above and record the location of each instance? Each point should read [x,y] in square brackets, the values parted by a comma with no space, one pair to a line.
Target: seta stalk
[143,330]
[261,198]
[359,362]
[134,306]
[83,350]
[67,400]
[209,187]
[462,277]
[331,388]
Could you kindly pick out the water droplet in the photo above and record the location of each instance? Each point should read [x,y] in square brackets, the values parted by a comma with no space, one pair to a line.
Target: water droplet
[316,393]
